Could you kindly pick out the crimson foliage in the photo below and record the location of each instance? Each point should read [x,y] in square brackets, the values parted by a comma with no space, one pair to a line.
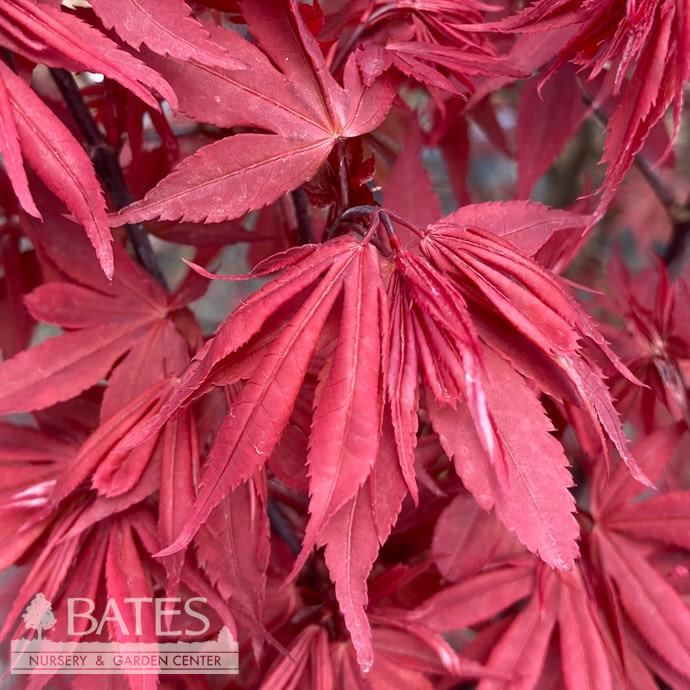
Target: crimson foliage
[411,457]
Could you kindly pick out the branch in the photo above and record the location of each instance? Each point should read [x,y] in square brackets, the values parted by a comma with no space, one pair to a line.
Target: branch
[107,167]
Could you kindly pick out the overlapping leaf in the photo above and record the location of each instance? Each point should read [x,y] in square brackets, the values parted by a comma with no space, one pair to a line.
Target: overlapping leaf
[500,280]
[627,530]
[614,595]
[56,37]
[335,389]
[644,48]
[530,490]
[427,43]
[353,536]
[57,158]
[31,131]
[62,367]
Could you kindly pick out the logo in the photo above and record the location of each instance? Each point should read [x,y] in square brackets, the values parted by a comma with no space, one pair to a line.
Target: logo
[39,655]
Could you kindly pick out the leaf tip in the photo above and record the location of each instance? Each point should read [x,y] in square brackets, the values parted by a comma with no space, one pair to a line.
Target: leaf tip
[178,545]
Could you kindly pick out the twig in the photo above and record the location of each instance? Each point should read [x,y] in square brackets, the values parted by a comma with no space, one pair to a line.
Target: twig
[108,168]
[657,185]
[677,252]
[281,526]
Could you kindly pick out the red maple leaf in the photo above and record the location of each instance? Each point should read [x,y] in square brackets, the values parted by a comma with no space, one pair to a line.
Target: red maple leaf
[654,341]
[299,108]
[141,326]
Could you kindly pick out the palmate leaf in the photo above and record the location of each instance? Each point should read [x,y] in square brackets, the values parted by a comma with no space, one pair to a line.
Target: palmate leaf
[302,106]
[344,438]
[525,648]
[62,367]
[501,281]
[613,596]
[520,651]
[355,485]
[623,533]
[546,623]
[458,314]
[342,269]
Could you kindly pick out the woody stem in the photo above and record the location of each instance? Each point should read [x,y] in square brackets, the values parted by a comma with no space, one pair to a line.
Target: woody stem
[107,167]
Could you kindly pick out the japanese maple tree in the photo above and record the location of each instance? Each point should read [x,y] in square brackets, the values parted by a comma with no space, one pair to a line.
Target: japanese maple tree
[439,438]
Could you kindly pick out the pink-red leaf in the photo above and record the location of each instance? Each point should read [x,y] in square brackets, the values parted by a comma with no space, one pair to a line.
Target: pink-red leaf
[664,518]
[59,368]
[583,654]
[549,115]
[61,163]
[653,606]
[11,153]
[466,538]
[166,27]
[233,547]
[260,413]
[353,537]
[476,599]
[520,652]
[226,179]
[59,39]
[344,439]
[527,225]
[533,501]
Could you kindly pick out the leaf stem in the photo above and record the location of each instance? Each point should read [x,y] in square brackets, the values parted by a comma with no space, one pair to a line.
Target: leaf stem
[342,175]
[406,223]
[107,167]
[350,214]
[305,232]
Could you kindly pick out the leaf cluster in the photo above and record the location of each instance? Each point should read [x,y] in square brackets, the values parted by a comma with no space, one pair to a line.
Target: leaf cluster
[409,451]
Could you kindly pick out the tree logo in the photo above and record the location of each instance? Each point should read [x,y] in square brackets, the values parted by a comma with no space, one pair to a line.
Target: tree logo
[39,615]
